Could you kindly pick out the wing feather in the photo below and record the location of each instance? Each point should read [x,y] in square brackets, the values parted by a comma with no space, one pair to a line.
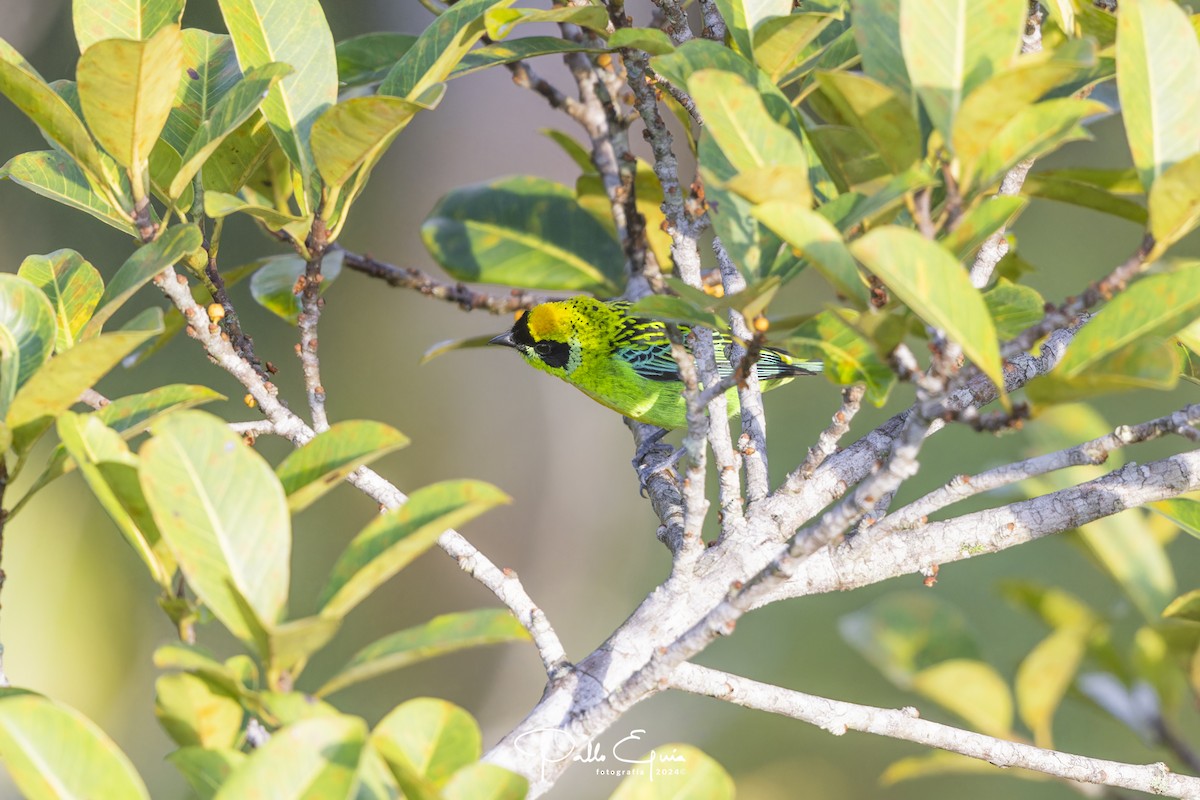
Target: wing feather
[643,344]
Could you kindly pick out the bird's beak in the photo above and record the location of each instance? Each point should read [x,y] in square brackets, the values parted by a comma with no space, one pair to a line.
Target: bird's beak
[505,339]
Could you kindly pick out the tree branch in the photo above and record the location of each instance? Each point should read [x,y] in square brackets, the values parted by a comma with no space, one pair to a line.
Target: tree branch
[458,293]
[837,717]
[502,583]
[1092,452]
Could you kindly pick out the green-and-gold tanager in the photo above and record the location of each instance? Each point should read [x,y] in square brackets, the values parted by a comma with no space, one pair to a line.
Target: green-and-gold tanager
[625,362]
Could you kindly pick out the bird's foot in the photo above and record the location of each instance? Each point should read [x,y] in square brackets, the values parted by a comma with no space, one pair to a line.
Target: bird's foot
[649,459]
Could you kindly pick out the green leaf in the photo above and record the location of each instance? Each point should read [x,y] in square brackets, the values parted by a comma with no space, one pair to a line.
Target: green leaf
[734,115]
[1174,202]
[1034,132]
[743,16]
[980,222]
[220,204]
[1118,181]
[971,689]
[941,762]
[50,112]
[126,89]
[441,635]
[210,71]
[28,315]
[1149,363]
[96,20]
[193,712]
[314,469]
[991,107]
[880,203]
[287,708]
[173,244]
[132,414]
[233,110]
[782,43]
[1044,677]
[684,772]
[928,280]
[902,634]
[677,309]
[239,156]
[1013,308]
[297,34]
[849,158]
[1156,305]
[438,49]
[396,537]
[877,31]
[52,751]
[1158,59]
[223,512]
[1186,606]
[650,41]
[819,244]
[450,345]
[111,472]
[512,50]
[10,367]
[73,287]
[272,284]
[205,770]
[952,46]
[1055,607]
[425,741]
[1184,513]
[366,59]
[589,189]
[500,22]
[849,357]
[523,231]
[56,386]
[875,110]
[355,133]
[291,643]
[485,782]
[53,175]
[1128,551]
[314,758]
[128,416]
[198,661]
[1049,186]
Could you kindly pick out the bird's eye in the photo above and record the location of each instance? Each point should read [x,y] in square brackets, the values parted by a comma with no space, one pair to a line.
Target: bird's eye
[553,354]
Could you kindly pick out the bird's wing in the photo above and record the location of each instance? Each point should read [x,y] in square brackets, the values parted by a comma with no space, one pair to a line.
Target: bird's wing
[643,344]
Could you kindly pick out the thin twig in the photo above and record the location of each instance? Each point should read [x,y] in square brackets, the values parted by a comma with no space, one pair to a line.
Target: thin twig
[996,246]
[754,420]
[310,315]
[93,399]
[837,717]
[460,294]
[1091,452]
[827,441]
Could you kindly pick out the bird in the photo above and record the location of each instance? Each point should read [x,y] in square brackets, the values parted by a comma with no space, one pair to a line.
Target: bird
[624,361]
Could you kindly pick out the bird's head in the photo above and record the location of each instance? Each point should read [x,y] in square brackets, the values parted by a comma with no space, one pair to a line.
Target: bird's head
[547,336]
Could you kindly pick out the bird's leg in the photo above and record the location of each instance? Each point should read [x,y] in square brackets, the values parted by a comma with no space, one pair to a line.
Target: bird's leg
[645,451]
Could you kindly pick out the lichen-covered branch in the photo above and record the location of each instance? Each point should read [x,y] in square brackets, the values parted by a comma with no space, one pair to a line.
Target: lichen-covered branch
[838,717]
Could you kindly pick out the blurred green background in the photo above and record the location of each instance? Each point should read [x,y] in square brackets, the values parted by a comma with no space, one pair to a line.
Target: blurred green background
[80,622]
